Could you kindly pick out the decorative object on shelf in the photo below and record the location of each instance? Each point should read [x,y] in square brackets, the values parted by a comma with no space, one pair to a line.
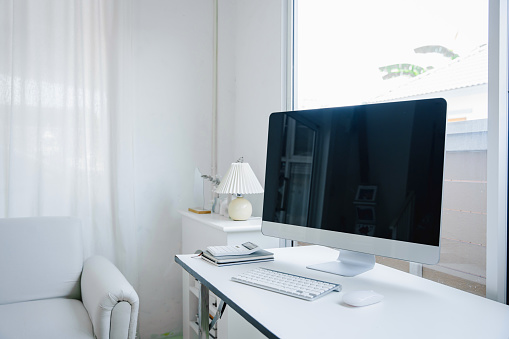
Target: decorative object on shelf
[223,206]
[198,210]
[240,179]
[215,181]
[198,194]
[215,201]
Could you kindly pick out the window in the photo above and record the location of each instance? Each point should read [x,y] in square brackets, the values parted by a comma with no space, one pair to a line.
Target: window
[349,53]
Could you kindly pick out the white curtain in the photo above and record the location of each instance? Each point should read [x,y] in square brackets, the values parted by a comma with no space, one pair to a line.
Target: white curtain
[65,122]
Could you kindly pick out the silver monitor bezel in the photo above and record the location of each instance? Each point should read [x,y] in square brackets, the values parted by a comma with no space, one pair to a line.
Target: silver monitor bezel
[414,252]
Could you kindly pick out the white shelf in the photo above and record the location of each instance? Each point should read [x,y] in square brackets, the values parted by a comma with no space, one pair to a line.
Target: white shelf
[196,329]
[224,224]
[194,291]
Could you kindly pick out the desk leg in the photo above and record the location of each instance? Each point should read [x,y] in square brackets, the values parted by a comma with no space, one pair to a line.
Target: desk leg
[203,312]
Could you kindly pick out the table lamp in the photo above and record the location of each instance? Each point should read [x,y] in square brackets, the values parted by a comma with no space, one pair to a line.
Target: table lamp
[240,179]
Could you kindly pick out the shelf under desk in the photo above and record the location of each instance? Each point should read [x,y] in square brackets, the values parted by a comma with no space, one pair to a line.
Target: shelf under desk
[413,307]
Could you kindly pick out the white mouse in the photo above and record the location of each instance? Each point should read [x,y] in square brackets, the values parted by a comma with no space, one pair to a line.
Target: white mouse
[362,298]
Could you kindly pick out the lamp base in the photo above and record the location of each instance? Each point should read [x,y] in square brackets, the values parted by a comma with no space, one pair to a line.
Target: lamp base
[240,209]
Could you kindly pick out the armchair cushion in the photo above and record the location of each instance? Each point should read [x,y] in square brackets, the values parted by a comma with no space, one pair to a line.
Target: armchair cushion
[45,319]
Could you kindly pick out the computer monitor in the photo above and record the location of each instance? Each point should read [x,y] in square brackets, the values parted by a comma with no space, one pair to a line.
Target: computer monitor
[364,179]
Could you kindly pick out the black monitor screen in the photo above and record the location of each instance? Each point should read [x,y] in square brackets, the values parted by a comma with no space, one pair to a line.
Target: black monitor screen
[373,170]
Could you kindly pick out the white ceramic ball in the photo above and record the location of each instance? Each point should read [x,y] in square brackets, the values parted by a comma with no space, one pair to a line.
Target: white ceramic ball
[240,209]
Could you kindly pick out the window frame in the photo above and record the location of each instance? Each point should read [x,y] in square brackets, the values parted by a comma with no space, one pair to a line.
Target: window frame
[496,251]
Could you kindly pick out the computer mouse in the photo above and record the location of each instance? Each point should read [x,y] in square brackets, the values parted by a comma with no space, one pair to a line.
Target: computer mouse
[362,298]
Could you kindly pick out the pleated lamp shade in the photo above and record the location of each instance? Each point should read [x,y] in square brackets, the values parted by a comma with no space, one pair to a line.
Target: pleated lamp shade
[240,179]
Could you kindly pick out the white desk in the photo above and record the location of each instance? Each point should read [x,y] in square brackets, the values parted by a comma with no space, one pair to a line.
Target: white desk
[413,307]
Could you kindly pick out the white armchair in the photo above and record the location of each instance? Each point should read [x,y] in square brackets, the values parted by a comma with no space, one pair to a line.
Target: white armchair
[47,290]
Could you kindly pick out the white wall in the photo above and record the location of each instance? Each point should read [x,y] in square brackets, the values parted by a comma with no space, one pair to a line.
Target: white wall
[173,100]
[173,62]
[250,82]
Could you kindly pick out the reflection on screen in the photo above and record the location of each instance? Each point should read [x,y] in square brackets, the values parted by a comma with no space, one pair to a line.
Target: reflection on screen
[368,170]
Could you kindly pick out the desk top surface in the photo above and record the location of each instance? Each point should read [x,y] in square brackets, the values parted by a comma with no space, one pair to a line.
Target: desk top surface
[413,307]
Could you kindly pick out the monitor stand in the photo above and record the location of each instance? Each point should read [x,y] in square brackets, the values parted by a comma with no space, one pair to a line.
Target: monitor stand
[347,264]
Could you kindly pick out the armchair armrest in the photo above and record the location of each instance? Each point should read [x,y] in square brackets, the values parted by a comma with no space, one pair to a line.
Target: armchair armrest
[111,302]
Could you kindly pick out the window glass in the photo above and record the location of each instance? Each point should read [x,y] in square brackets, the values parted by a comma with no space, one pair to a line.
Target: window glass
[355,52]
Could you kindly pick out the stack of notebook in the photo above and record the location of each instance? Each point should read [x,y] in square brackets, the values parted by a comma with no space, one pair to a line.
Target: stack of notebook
[258,256]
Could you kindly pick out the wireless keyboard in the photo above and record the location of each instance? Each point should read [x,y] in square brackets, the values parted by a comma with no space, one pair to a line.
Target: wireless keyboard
[285,283]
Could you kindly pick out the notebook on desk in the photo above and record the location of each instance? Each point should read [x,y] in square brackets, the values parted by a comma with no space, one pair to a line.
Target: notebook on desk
[258,256]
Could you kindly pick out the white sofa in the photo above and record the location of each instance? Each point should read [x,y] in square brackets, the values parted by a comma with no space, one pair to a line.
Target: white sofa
[48,290]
